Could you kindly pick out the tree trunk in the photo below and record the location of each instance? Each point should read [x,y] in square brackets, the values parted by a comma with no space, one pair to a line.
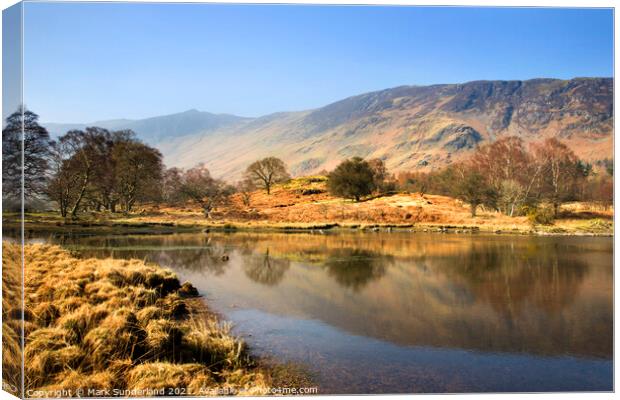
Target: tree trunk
[473,207]
[63,209]
[76,205]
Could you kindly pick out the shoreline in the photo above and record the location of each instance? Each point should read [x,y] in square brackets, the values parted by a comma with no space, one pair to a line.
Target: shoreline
[111,324]
[136,226]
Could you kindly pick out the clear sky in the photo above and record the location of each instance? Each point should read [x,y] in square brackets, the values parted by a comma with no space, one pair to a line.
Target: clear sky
[93,61]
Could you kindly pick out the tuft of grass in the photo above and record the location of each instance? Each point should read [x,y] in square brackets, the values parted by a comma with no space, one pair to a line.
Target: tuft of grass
[116,324]
[12,324]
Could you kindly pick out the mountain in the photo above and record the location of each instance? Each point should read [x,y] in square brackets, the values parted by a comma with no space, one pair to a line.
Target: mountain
[410,127]
[156,129]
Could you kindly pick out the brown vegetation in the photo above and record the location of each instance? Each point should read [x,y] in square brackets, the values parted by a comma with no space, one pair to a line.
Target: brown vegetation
[93,171]
[11,319]
[115,324]
[304,203]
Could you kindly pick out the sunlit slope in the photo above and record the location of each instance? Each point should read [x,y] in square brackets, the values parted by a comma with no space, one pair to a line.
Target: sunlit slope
[411,127]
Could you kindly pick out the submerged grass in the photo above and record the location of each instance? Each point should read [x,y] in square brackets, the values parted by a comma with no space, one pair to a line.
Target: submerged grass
[106,324]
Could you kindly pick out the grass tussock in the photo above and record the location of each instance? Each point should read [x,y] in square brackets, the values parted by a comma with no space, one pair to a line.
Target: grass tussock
[11,319]
[116,324]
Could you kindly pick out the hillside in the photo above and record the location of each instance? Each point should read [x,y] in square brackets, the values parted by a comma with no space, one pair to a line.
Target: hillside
[157,129]
[410,127]
[304,203]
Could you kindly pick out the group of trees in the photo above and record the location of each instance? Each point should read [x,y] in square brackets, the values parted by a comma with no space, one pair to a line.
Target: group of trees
[97,169]
[100,170]
[511,178]
[505,175]
[84,169]
[197,185]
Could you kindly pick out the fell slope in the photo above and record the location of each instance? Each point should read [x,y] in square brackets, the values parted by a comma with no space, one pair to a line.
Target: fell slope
[413,127]
[409,127]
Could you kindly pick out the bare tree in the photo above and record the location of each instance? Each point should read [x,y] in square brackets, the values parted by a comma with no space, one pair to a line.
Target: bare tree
[473,188]
[561,172]
[139,173]
[81,148]
[103,190]
[509,170]
[199,186]
[172,186]
[61,186]
[266,172]
[97,168]
[245,188]
[23,139]
[380,175]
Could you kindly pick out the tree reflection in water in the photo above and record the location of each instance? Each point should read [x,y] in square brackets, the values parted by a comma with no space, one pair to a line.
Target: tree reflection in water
[355,268]
[534,295]
[508,278]
[264,269]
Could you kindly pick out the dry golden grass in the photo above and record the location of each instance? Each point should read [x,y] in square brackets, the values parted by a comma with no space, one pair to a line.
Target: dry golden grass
[11,319]
[117,325]
[305,203]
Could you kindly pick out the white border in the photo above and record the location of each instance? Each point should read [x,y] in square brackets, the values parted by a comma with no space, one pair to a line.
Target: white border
[480,3]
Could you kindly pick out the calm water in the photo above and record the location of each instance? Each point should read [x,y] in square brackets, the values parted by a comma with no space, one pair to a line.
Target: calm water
[402,312]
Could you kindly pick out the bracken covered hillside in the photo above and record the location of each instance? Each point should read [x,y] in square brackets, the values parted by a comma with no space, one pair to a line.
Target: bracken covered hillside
[409,127]
[413,127]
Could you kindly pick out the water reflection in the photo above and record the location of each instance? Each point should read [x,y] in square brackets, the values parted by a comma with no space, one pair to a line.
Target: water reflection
[354,268]
[264,269]
[509,278]
[547,296]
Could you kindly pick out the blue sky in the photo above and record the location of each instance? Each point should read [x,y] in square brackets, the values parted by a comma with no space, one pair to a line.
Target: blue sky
[94,61]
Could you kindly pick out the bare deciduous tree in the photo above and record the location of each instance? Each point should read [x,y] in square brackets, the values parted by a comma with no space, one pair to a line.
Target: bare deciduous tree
[510,170]
[560,174]
[97,168]
[139,173]
[199,186]
[473,188]
[266,172]
[171,186]
[245,188]
[24,140]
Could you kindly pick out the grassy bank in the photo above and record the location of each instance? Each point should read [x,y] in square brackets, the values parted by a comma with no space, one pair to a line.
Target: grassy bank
[119,325]
[187,220]
[304,204]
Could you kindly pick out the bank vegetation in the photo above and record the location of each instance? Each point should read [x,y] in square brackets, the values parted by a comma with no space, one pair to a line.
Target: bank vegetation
[115,325]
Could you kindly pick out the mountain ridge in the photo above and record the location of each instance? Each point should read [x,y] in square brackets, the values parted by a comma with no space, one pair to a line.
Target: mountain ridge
[409,127]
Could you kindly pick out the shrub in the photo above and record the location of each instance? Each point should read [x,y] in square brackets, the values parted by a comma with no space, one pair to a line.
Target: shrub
[352,179]
[541,215]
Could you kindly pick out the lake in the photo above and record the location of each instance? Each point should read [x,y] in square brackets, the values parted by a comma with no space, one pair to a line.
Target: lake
[404,312]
